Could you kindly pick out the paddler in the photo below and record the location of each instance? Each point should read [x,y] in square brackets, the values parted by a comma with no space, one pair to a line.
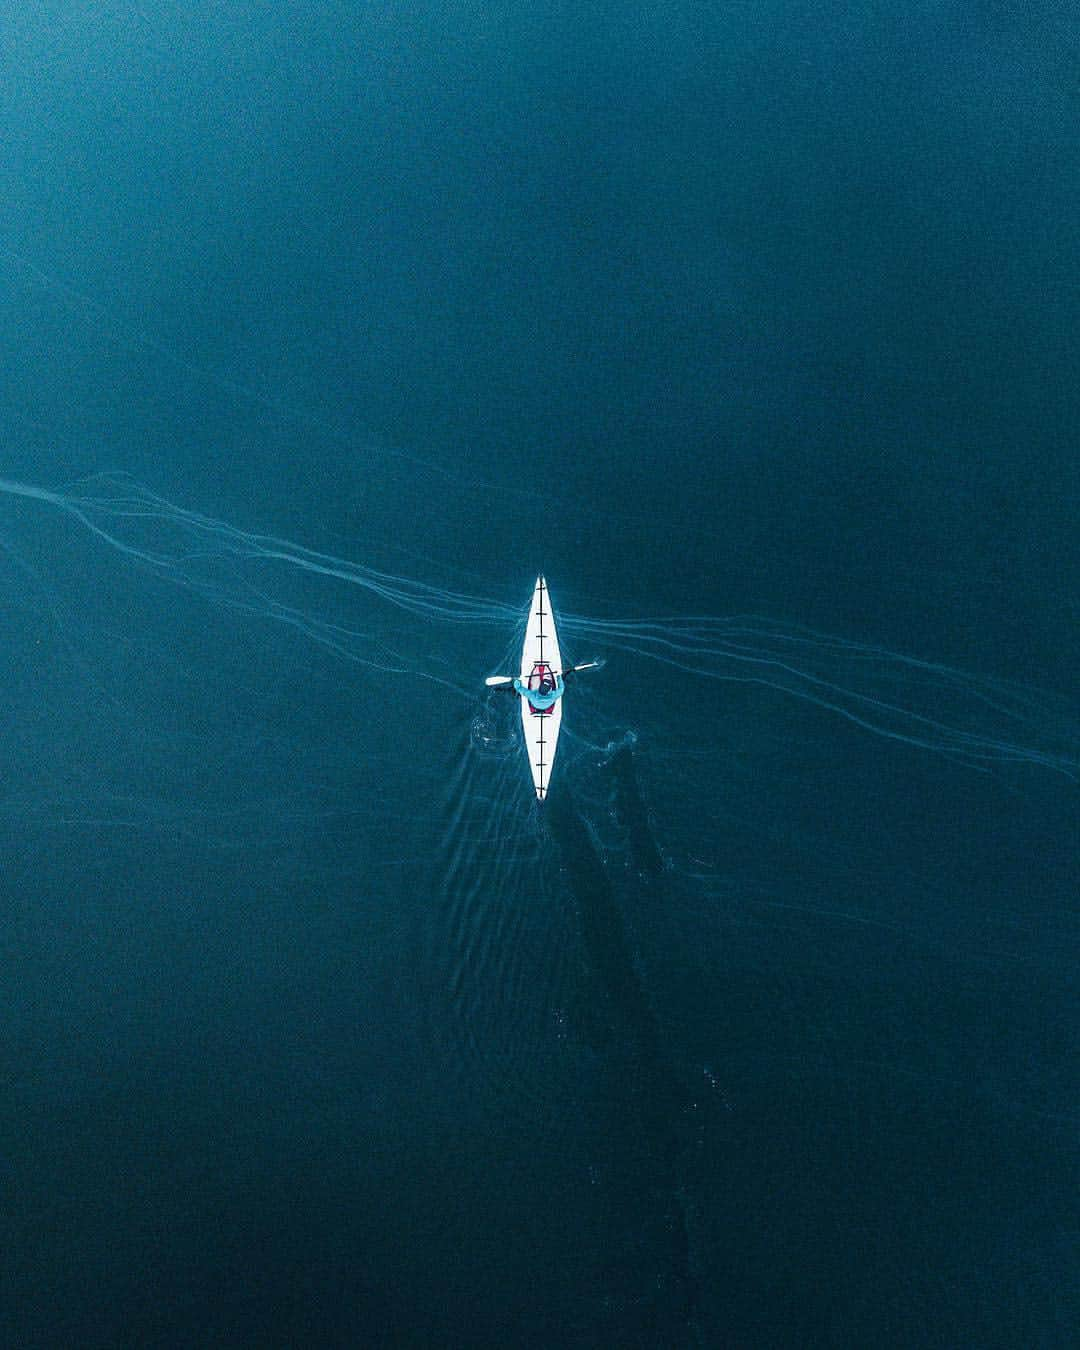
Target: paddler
[545,695]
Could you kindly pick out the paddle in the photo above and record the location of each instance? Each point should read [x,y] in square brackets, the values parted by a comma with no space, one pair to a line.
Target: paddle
[493,681]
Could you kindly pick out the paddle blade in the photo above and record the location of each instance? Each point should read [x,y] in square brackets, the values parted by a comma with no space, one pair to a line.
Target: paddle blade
[493,680]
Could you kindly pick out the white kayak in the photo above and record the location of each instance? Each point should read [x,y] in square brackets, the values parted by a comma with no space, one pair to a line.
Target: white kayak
[539,657]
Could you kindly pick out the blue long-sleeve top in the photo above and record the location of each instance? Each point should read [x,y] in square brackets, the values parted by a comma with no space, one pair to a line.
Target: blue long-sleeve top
[535,697]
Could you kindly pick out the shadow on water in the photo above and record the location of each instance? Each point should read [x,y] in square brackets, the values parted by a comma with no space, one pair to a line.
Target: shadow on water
[651,1121]
[630,807]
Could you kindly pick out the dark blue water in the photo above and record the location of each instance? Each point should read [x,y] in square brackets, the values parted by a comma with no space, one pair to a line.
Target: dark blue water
[324,330]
